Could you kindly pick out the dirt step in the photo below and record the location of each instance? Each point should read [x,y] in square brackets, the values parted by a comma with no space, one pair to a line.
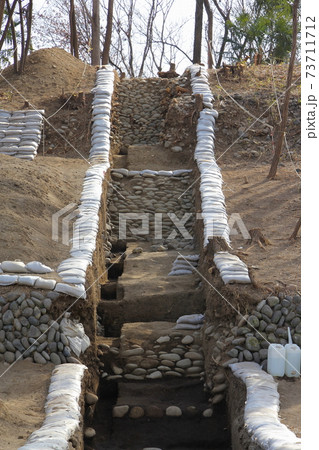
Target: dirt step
[156,157]
[153,351]
[146,293]
[147,423]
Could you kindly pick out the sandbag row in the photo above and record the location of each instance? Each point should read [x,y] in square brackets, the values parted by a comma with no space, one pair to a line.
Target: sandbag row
[62,409]
[183,265]
[73,270]
[121,173]
[20,133]
[231,268]
[212,198]
[262,407]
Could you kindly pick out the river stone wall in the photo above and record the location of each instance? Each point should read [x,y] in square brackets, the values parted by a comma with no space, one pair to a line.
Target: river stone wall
[173,355]
[27,328]
[144,123]
[248,339]
[148,192]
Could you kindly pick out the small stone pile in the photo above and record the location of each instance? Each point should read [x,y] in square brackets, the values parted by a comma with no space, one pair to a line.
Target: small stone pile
[156,196]
[250,338]
[141,110]
[155,412]
[27,328]
[20,133]
[178,354]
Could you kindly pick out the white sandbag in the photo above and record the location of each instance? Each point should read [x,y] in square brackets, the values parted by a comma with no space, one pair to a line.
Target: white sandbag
[179,272]
[8,280]
[13,266]
[27,280]
[75,333]
[73,279]
[191,318]
[62,421]
[74,291]
[187,326]
[38,267]
[43,283]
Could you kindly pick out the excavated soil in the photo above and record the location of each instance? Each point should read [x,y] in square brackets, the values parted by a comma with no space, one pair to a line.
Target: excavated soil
[273,206]
[23,391]
[31,192]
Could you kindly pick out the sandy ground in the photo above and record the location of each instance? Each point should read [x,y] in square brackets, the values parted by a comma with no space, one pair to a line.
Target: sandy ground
[273,206]
[30,193]
[23,391]
[290,403]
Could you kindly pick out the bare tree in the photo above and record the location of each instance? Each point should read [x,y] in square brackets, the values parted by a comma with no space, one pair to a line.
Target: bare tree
[25,36]
[225,15]
[198,32]
[73,32]
[143,36]
[108,34]
[6,28]
[284,113]
[209,13]
[14,41]
[96,53]
[2,3]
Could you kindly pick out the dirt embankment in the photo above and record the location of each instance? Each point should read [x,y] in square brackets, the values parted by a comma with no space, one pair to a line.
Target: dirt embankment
[23,391]
[31,193]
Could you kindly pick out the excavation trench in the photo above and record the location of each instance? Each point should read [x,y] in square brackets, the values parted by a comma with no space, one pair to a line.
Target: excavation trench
[142,383]
[151,391]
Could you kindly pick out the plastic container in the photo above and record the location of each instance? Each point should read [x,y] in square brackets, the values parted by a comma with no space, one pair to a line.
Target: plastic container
[276,360]
[293,358]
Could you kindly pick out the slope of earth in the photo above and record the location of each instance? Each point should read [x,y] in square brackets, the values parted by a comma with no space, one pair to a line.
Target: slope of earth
[244,149]
[31,192]
[61,85]
[23,391]
[273,206]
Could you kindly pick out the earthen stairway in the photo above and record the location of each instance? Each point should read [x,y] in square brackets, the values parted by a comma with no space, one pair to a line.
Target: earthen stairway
[151,392]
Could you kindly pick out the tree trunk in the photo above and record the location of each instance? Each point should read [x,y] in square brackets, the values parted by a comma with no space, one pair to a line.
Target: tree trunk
[73,33]
[6,28]
[22,37]
[222,48]
[108,34]
[95,56]
[25,48]
[209,34]
[284,114]
[14,41]
[198,32]
[2,3]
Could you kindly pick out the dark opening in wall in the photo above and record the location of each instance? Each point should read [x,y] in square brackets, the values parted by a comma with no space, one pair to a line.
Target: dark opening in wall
[119,246]
[108,291]
[115,269]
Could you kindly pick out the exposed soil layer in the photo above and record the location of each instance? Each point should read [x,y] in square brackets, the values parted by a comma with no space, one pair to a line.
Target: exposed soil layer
[176,433]
[23,391]
[273,206]
[290,403]
[31,193]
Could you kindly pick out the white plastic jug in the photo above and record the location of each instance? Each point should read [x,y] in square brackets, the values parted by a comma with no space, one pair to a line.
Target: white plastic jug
[293,357]
[276,360]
